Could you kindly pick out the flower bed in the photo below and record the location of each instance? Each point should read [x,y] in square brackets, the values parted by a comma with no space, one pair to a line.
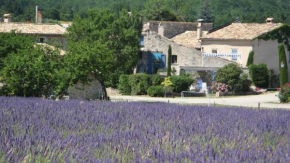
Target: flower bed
[37,130]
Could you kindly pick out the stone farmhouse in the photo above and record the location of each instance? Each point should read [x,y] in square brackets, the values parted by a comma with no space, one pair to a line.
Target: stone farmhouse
[236,40]
[186,54]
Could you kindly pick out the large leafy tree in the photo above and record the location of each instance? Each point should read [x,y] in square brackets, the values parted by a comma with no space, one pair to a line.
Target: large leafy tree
[103,44]
[32,71]
[12,43]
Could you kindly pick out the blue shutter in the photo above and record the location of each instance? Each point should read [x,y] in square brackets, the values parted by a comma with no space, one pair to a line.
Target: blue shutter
[149,71]
[163,61]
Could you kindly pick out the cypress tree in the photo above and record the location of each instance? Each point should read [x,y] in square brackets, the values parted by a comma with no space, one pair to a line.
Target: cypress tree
[250,59]
[283,70]
[169,61]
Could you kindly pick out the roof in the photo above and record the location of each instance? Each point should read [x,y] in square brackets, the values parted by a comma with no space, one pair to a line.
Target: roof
[188,39]
[241,31]
[32,28]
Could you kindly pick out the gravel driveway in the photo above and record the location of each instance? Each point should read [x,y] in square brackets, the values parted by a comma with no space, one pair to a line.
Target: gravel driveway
[267,100]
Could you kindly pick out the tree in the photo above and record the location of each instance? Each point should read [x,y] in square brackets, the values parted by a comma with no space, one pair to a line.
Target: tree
[260,75]
[283,70]
[32,71]
[169,61]
[12,43]
[103,44]
[205,12]
[250,59]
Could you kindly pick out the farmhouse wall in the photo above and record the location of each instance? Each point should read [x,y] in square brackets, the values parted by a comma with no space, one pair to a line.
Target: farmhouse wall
[185,56]
[244,47]
[172,29]
[267,52]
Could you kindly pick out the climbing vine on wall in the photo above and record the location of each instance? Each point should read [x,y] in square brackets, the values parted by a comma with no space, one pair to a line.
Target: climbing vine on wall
[281,34]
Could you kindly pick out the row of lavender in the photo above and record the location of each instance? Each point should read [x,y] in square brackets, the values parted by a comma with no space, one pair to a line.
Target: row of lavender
[37,130]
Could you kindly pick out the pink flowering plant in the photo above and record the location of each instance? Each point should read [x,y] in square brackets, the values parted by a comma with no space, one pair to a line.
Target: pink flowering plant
[219,87]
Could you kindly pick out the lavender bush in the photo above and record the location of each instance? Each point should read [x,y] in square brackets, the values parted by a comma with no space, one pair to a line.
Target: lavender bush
[37,130]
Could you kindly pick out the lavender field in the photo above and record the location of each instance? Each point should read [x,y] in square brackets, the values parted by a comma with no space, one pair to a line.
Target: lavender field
[37,130]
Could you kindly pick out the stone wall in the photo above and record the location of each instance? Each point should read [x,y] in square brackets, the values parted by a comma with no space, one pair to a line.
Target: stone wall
[90,91]
[172,29]
[185,56]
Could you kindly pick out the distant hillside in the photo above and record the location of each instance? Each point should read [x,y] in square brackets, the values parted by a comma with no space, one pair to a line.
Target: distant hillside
[221,11]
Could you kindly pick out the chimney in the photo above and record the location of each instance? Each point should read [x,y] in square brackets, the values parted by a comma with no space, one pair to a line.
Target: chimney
[160,29]
[199,28]
[7,18]
[39,16]
[270,20]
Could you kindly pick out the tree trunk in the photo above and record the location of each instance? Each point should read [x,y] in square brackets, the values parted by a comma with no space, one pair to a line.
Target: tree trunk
[105,95]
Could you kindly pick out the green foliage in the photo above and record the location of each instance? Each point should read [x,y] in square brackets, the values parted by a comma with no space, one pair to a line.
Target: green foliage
[230,75]
[155,91]
[167,82]
[244,83]
[181,10]
[284,94]
[124,86]
[283,70]
[12,43]
[156,79]
[33,71]
[103,44]
[139,83]
[169,61]
[205,12]
[260,75]
[181,83]
[250,59]
[281,34]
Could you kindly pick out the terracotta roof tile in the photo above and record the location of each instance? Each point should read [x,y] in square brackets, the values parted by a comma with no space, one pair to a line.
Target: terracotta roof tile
[241,31]
[188,39]
[31,28]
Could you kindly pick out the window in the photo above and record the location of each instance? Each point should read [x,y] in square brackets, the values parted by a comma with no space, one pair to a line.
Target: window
[41,40]
[234,51]
[213,50]
[141,40]
[174,59]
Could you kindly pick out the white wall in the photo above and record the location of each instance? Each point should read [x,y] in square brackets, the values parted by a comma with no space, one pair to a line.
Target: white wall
[267,52]
[244,47]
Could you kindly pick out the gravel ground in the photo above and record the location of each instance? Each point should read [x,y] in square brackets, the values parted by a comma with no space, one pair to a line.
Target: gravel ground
[267,100]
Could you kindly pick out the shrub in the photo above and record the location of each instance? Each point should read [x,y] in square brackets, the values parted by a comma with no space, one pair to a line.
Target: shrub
[260,75]
[231,75]
[250,59]
[155,91]
[124,86]
[283,70]
[244,83]
[139,83]
[181,83]
[284,93]
[219,87]
[156,79]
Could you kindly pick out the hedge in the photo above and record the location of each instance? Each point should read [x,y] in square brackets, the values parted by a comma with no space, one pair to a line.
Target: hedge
[156,91]
[124,86]
[181,83]
[139,83]
[260,75]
